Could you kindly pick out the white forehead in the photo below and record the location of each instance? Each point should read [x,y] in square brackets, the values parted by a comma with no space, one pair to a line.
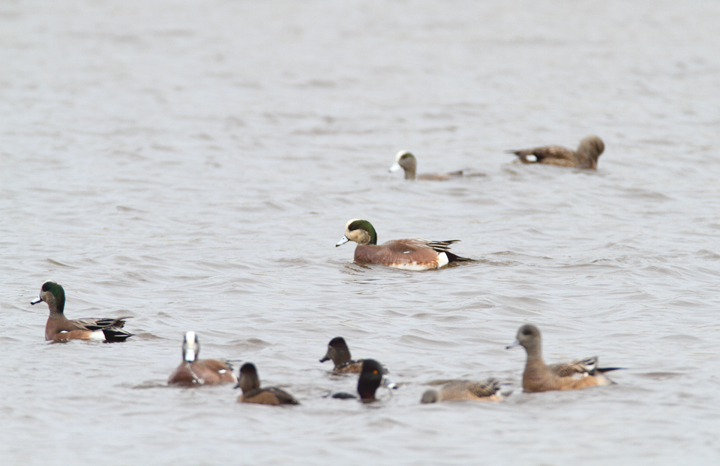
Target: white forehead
[400,154]
[190,337]
[347,225]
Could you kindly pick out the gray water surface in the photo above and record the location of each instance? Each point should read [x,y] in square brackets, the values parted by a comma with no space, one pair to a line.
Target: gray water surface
[192,164]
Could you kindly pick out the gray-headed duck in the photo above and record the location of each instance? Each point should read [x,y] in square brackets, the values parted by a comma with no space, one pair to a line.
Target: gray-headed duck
[586,155]
[465,390]
[540,377]
[194,371]
[249,382]
[408,254]
[408,163]
[59,328]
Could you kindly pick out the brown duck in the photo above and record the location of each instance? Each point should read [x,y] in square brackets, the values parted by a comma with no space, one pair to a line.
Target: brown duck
[540,377]
[194,371]
[59,328]
[408,254]
[249,382]
[586,155]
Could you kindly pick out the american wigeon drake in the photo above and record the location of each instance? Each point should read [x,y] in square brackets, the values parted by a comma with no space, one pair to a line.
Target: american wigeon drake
[194,371]
[58,326]
[465,390]
[339,353]
[408,163]
[539,377]
[408,254]
[586,155]
[252,393]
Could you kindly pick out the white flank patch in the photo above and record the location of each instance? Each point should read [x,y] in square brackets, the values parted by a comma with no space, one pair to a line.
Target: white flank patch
[531,158]
[443,259]
[97,335]
[413,266]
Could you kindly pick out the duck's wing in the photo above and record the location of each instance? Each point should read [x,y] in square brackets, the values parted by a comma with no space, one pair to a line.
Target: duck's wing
[577,367]
[283,397]
[487,388]
[100,324]
[555,155]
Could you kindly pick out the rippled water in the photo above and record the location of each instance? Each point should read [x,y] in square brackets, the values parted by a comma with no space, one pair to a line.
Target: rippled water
[192,164]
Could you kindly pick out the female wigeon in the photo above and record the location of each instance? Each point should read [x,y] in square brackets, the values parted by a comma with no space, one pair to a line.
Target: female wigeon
[339,353]
[59,328]
[408,254]
[252,393]
[465,390]
[408,163]
[194,371]
[539,377]
[586,155]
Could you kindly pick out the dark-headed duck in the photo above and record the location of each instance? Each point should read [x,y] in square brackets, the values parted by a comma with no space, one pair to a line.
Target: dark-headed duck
[252,393]
[408,254]
[339,353]
[59,328]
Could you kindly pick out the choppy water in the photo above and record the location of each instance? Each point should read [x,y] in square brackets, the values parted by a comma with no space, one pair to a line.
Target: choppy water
[192,164]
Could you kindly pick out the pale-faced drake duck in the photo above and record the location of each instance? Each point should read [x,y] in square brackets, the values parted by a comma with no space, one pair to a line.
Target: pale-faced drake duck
[408,163]
[539,377]
[194,371]
[252,393]
[408,254]
[59,328]
[586,155]
[339,353]
[465,390]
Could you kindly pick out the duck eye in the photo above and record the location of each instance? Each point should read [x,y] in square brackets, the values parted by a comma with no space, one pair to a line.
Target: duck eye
[526,332]
[375,372]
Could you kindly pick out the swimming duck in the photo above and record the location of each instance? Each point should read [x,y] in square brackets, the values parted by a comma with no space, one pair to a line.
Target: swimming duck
[539,377]
[586,155]
[465,390]
[252,393]
[408,163]
[408,254]
[371,377]
[339,353]
[59,328]
[200,371]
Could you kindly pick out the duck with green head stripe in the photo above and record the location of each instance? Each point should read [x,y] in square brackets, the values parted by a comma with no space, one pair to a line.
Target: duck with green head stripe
[408,254]
[59,327]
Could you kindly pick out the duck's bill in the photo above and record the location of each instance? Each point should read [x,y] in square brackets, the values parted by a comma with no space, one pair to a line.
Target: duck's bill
[395,167]
[387,383]
[325,358]
[342,241]
[36,301]
[515,343]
